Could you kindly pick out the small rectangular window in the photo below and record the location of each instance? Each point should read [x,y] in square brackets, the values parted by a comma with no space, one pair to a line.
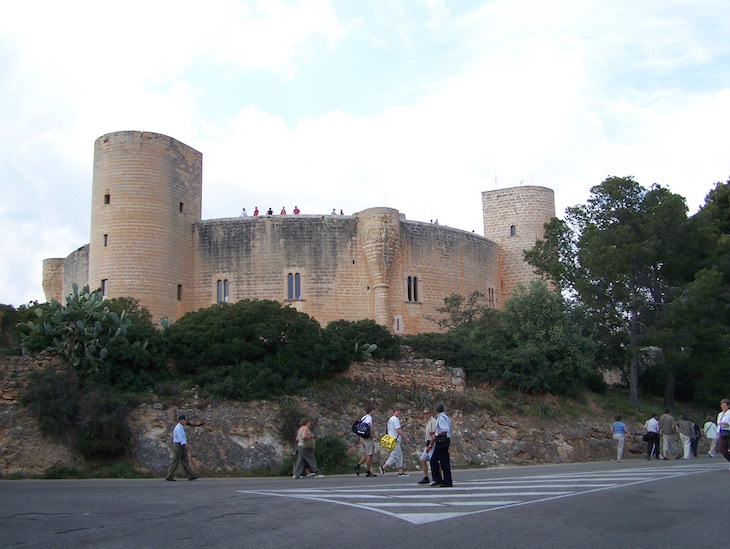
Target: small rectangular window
[181,207]
[107,198]
[179,292]
[106,240]
[412,288]
[105,287]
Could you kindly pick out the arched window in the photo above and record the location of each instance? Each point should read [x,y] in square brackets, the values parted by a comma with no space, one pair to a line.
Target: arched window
[293,286]
[512,230]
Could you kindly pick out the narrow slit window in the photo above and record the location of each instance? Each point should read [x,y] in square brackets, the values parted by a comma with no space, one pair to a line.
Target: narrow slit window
[104,287]
[297,286]
[179,292]
[512,230]
[290,286]
[106,240]
[181,207]
[107,198]
[223,291]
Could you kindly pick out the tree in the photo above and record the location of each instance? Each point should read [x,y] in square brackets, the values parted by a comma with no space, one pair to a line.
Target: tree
[461,311]
[548,352]
[615,255]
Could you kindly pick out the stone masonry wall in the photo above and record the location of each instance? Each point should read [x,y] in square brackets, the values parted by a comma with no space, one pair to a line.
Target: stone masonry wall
[338,278]
[409,371]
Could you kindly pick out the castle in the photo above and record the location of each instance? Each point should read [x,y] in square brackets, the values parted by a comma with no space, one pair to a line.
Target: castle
[148,241]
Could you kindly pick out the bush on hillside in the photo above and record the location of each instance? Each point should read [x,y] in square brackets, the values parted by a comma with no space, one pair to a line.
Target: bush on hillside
[348,333]
[252,349]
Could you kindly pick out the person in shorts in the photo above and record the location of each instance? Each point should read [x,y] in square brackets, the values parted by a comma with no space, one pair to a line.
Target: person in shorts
[367,444]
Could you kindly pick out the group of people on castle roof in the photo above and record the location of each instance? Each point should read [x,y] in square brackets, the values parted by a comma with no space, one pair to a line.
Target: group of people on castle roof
[297,211]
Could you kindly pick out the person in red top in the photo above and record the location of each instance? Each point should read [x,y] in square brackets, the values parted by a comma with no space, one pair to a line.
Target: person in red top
[256,210]
[296,210]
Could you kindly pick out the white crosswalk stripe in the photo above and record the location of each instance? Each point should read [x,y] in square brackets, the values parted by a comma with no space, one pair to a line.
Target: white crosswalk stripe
[423,504]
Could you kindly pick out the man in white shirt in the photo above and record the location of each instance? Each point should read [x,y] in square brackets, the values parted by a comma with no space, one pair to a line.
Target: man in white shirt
[396,456]
[652,437]
[180,443]
[367,444]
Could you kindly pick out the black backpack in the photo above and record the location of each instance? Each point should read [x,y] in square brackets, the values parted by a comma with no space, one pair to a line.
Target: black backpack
[361,429]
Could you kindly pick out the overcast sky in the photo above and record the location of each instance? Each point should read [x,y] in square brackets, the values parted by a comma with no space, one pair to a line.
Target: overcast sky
[352,104]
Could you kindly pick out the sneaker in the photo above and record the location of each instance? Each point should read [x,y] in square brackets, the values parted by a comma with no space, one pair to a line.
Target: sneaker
[320,475]
[663,457]
[382,471]
[357,469]
[711,454]
[294,477]
[369,474]
[424,480]
[311,475]
[402,474]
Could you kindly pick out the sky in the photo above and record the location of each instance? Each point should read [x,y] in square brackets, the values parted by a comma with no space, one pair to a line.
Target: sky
[418,105]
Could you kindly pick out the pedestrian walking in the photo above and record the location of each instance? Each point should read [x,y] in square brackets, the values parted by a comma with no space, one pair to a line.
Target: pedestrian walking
[181,449]
[396,455]
[427,453]
[440,441]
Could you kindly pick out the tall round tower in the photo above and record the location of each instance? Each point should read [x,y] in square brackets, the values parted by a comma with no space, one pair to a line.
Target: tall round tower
[514,219]
[146,195]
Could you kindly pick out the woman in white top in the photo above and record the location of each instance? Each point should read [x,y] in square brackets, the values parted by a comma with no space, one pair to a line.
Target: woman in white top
[723,429]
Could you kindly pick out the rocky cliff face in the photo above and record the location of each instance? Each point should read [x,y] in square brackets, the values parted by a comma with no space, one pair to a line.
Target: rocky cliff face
[228,438]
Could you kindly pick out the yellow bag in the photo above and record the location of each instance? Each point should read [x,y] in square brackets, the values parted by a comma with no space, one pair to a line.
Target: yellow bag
[388,442]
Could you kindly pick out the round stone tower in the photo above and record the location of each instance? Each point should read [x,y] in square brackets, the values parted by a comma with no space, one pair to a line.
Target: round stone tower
[514,218]
[146,195]
[379,230]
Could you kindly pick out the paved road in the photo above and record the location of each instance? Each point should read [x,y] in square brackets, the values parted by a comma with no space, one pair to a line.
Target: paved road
[631,504]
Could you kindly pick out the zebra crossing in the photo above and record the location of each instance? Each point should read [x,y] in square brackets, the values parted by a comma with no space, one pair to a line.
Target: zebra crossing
[422,504]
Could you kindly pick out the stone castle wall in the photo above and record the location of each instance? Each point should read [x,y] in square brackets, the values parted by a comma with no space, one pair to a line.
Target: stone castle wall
[148,242]
[76,270]
[340,277]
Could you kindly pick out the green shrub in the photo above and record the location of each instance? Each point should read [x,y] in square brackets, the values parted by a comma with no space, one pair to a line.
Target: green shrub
[290,417]
[53,398]
[251,349]
[349,333]
[65,472]
[331,454]
[138,360]
[102,430]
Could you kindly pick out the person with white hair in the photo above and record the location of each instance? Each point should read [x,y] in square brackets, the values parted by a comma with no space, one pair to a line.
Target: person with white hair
[440,442]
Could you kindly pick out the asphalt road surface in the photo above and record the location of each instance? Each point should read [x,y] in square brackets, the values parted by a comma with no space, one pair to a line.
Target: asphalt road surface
[635,503]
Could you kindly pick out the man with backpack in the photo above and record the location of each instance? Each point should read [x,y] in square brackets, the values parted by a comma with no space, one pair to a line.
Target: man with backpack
[367,443]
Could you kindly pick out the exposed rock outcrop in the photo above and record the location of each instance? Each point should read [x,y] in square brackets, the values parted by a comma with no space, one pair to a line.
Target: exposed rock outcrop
[229,438]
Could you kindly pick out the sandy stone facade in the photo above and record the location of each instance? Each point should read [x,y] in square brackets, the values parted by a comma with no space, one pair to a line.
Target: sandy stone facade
[148,241]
